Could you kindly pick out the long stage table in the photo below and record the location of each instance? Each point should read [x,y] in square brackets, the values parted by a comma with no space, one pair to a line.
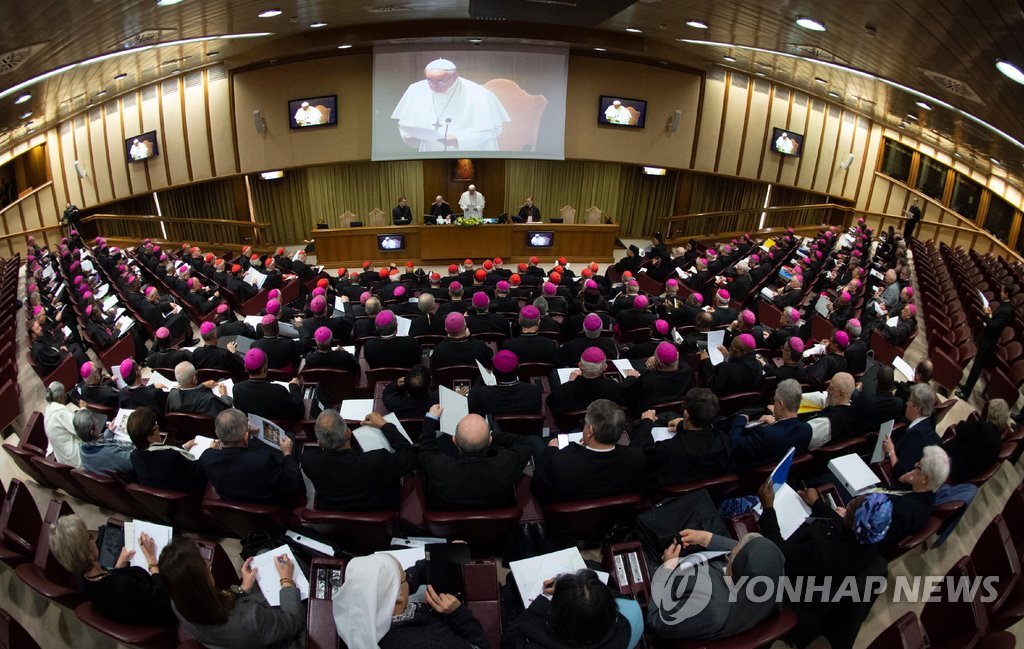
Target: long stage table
[443,244]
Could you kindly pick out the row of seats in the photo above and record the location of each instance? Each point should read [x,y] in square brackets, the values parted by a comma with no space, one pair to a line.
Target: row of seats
[9,391]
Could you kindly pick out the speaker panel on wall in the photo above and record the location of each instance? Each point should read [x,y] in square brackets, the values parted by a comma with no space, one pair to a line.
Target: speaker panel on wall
[674,119]
[258,121]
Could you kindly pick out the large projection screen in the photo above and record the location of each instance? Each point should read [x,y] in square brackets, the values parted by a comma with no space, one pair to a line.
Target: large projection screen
[493,104]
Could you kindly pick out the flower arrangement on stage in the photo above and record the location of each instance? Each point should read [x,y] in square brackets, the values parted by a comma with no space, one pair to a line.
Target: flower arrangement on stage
[469,221]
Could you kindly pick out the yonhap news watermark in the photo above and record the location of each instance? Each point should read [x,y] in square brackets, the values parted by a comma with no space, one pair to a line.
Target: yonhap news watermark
[682,591]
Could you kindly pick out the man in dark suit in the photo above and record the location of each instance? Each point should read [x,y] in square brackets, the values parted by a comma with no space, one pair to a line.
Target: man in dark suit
[790,294]
[504,302]
[906,325]
[636,317]
[135,394]
[94,388]
[878,408]
[410,395]
[585,385]
[258,396]
[528,213]
[857,351]
[163,355]
[456,303]
[905,453]
[510,396]
[247,470]
[349,478]
[237,284]
[327,357]
[723,313]
[569,353]
[769,441]
[212,357]
[459,348]
[198,399]
[697,450]
[529,346]
[792,364]
[475,469]
[389,349]
[837,421]
[739,372]
[162,466]
[282,353]
[401,214]
[789,326]
[833,360]
[663,381]
[427,323]
[482,320]
[597,467]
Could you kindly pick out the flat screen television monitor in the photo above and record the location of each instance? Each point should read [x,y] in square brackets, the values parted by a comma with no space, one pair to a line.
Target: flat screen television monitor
[390,242]
[313,111]
[787,142]
[141,147]
[540,238]
[620,111]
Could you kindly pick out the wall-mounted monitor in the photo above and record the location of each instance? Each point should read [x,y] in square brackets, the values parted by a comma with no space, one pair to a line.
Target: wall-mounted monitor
[390,242]
[540,238]
[620,111]
[787,142]
[313,111]
[141,147]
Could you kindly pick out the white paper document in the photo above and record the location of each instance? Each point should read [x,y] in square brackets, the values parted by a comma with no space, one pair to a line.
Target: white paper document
[269,579]
[266,431]
[661,433]
[339,304]
[564,439]
[715,339]
[252,320]
[407,557]
[564,372]
[623,365]
[252,275]
[892,322]
[790,509]
[884,433]
[202,443]
[904,368]
[133,529]
[404,325]
[531,573]
[486,375]
[356,409]
[454,407]
[156,378]
[115,373]
[119,425]
[372,439]
[984,300]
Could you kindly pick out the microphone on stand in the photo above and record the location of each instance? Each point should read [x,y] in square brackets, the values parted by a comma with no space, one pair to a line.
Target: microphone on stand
[447,123]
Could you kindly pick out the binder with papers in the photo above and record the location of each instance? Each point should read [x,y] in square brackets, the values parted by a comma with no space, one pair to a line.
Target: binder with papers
[855,475]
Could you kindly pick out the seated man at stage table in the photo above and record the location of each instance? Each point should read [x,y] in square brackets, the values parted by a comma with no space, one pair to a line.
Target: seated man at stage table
[401,214]
[528,213]
[439,209]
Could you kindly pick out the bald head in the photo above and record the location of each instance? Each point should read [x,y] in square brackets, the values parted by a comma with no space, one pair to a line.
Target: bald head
[472,435]
[841,389]
[426,303]
[185,374]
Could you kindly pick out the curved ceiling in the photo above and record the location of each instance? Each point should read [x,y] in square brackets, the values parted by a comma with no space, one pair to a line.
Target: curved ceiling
[875,56]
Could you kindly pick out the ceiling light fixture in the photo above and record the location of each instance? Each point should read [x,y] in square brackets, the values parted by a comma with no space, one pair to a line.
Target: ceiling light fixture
[344,47]
[600,49]
[810,23]
[101,93]
[634,30]
[119,53]
[166,3]
[26,115]
[911,117]
[833,94]
[925,101]
[995,161]
[819,80]
[22,99]
[123,75]
[270,13]
[317,25]
[1010,71]
[729,59]
[697,24]
[759,74]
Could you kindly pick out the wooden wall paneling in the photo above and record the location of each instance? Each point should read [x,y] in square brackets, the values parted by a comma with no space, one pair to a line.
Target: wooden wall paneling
[799,121]
[221,123]
[197,132]
[151,119]
[844,140]
[754,136]
[108,153]
[711,120]
[116,160]
[813,130]
[734,123]
[782,113]
[172,123]
[99,168]
[83,152]
[53,152]
[860,134]
[830,134]
[67,151]
[869,173]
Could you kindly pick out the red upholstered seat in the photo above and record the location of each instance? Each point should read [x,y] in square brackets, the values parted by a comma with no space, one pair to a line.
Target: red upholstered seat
[13,635]
[148,637]
[19,525]
[904,633]
[176,508]
[956,624]
[591,519]
[59,475]
[762,635]
[482,529]
[107,491]
[995,555]
[183,426]
[44,575]
[242,518]
[358,532]
[481,593]
[718,487]
[337,385]
[321,632]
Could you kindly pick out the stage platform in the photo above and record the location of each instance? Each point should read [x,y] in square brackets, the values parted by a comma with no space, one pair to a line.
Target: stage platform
[443,244]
